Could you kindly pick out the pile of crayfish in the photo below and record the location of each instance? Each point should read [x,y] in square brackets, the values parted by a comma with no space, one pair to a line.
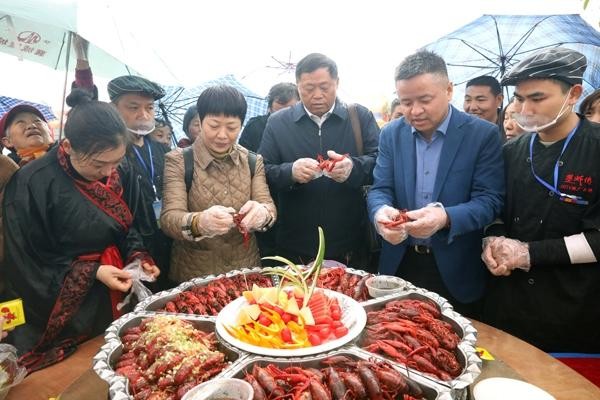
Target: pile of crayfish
[338,279]
[339,377]
[412,332]
[164,357]
[211,298]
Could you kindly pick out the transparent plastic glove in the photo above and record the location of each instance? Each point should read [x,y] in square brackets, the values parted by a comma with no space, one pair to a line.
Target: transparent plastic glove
[488,257]
[11,373]
[386,215]
[114,278]
[138,274]
[305,170]
[342,169]
[256,215]
[427,220]
[215,221]
[3,333]
[510,254]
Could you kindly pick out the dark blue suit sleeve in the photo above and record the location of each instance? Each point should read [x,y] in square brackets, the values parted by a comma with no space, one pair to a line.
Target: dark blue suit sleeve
[382,191]
[487,189]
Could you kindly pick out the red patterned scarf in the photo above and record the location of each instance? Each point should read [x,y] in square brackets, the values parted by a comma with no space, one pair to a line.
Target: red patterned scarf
[81,277]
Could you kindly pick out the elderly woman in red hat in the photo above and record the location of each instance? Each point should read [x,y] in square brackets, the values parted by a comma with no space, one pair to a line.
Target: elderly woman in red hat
[25,133]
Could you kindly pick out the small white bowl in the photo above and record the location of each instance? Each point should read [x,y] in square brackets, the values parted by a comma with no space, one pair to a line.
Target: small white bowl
[221,389]
[382,285]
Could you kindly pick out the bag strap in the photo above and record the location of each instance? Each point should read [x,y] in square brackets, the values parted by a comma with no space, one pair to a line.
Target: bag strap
[356,128]
[252,163]
[188,165]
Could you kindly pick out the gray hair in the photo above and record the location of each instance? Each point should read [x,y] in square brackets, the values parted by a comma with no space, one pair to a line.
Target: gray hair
[422,62]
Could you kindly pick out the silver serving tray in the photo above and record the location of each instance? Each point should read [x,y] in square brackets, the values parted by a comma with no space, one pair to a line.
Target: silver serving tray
[111,351]
[466,353]
[431,390]
[433,387]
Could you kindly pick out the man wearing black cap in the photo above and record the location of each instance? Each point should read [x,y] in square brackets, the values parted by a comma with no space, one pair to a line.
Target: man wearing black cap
[545,254]
[143,165]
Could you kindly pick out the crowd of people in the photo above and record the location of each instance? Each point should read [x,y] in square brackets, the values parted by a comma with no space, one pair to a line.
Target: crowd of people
[502,204]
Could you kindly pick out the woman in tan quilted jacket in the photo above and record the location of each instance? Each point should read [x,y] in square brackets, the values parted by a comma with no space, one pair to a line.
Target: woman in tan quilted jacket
[207,240]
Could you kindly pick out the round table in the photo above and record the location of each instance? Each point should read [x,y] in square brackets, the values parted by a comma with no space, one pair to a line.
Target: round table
[75,380]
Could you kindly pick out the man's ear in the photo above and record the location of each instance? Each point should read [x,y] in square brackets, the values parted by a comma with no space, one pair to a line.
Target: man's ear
[67,146]
[575,93]
[6,142]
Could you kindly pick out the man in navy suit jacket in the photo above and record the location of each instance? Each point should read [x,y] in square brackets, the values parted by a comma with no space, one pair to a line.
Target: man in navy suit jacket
[446,167]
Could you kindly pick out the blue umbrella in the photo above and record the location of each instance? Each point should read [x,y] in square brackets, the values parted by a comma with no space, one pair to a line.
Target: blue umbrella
[492,44]
[6,103]
[178,99]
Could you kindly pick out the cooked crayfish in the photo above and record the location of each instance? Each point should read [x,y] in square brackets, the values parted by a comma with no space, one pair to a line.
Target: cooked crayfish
[340,378]
[400,219]
[412,332]
[338,279]
[211,298]
[329,164]
[164,357]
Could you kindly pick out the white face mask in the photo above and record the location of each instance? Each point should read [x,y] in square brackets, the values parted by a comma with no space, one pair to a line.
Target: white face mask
[537,123]
[141,132]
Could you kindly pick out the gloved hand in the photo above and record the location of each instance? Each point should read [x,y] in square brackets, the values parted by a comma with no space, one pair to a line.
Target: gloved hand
[488,257]
[385,215]
[114,278]
[342,169]
[256,215]
[427,221]
[504,255]
[215,221]
[305,170]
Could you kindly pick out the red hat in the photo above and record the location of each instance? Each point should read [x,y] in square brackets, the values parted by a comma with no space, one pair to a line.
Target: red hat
[12,113]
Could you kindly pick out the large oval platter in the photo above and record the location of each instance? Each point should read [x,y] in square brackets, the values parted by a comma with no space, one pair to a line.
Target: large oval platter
[354,318]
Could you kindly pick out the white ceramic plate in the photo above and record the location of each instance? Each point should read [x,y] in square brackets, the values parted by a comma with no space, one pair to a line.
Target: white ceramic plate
[505,388]
[354,318]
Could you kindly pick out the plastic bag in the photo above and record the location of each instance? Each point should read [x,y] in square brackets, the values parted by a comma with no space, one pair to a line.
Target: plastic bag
[11,374]
[138,274]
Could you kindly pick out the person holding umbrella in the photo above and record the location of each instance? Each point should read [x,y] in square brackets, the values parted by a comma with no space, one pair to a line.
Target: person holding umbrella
[545,253]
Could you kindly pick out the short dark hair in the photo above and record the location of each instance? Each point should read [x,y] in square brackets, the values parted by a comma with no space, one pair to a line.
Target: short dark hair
[282,93]
[160,123]
[313,62]
[222,100]
[421,62]
[588,102]
[93,126]
[395,103]
[486,80]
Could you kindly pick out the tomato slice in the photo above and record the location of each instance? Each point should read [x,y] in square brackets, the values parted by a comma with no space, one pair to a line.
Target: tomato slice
[341,331]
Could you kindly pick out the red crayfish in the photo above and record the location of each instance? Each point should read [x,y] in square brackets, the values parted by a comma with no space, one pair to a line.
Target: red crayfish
[398,220]
[237,219]
[339,377]
[329,164]
[412,332]
[209,299]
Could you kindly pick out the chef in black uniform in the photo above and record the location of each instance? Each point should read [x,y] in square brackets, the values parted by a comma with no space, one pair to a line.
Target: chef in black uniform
[544,255]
